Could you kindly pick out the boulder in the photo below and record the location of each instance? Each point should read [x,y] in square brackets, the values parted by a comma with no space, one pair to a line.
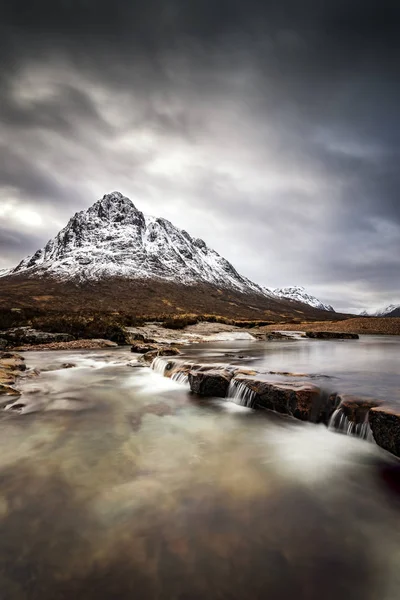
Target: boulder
[303,401]
[148,357]
[3,344]
[331,335]
[142,348]
[212,382]
[385,425]
[19,336]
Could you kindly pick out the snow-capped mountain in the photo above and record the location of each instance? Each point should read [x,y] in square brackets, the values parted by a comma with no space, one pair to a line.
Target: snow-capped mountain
[299,294]
[4,272]
[114,239]
[393,310]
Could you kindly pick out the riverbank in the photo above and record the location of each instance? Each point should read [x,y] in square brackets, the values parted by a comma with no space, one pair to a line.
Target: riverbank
[360,325]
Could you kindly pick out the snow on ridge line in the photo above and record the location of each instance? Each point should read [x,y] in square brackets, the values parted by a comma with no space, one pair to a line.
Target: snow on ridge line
[113,238]
[299,294]
[383,312]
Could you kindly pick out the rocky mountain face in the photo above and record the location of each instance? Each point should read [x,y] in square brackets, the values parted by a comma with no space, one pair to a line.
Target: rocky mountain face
[114,239]
[299,294]
[393,310]
[112,257]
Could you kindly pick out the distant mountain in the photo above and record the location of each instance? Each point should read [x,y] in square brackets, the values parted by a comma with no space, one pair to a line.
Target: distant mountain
[299,294]
[393,310]
[4,272]
[112,257]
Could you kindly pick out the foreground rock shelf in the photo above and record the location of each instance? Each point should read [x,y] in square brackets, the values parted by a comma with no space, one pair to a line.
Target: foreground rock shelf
[367,418]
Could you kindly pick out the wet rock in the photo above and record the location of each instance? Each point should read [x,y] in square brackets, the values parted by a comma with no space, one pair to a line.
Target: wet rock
[3,344]
[148,357]
[19,336]
[357,409]
[303,401]
[8,390]
[213,382]
[331,335]
[142,348]
[385,425]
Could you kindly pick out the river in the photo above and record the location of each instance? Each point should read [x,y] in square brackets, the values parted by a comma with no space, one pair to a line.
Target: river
[120,484]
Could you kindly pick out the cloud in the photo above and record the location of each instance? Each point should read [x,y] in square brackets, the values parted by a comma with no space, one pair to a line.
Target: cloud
[270,130]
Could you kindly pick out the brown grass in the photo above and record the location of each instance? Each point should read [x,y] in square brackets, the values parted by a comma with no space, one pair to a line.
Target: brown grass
[360,325]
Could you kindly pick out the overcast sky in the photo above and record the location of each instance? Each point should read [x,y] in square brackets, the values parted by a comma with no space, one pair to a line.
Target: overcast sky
[269,129]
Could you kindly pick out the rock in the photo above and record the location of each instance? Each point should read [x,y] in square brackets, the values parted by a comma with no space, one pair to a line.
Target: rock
[303,401]
[143,348]
[19,336]
[214,382]
[356,409]
[3,344]
[8,390]
[331,335]
[91,344]
[385,425]
[148,357]
[136,337]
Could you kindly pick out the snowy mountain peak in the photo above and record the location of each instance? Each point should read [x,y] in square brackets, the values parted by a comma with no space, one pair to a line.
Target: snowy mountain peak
[113,238]
[299,294]
[393,310]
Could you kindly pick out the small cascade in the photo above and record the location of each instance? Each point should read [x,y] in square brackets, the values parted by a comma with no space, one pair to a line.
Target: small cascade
[181,377]
[159,365]
[341,423]
[240,393]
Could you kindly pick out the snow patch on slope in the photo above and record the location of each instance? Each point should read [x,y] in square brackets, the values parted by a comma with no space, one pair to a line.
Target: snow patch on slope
[299,294]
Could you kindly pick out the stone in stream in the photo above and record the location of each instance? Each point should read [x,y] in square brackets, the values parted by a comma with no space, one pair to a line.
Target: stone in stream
[352,415]
[148,357]
[303,401]
[385,425]
[331,335]
[356,409]
[142,348]
[213,382]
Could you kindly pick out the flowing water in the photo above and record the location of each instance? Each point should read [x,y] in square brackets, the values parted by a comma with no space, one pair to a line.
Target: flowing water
[138,490]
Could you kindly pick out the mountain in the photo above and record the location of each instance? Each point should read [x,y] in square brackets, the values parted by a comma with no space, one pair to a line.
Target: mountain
[114,239]
[112,257]
[299,294]
[393,310]
[4,272]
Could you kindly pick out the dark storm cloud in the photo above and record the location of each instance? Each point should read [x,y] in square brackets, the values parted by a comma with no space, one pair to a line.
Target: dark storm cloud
[270,129]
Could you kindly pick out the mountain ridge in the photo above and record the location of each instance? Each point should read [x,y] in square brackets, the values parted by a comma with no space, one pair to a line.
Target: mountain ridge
[113,257]
[393,310]
[299,294]
[113,238]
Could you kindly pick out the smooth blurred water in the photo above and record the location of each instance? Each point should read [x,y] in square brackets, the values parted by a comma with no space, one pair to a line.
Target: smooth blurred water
[148,492]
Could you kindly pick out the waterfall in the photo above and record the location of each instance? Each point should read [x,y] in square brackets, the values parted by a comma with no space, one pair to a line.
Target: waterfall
[339,422]
[159,365]
[240,393]
[181,377]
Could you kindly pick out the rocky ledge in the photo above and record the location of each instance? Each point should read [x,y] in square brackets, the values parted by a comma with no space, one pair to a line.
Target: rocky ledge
[27,336]
[72,345]
[385,425]
[362,417]
[332,335]
[11,366]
